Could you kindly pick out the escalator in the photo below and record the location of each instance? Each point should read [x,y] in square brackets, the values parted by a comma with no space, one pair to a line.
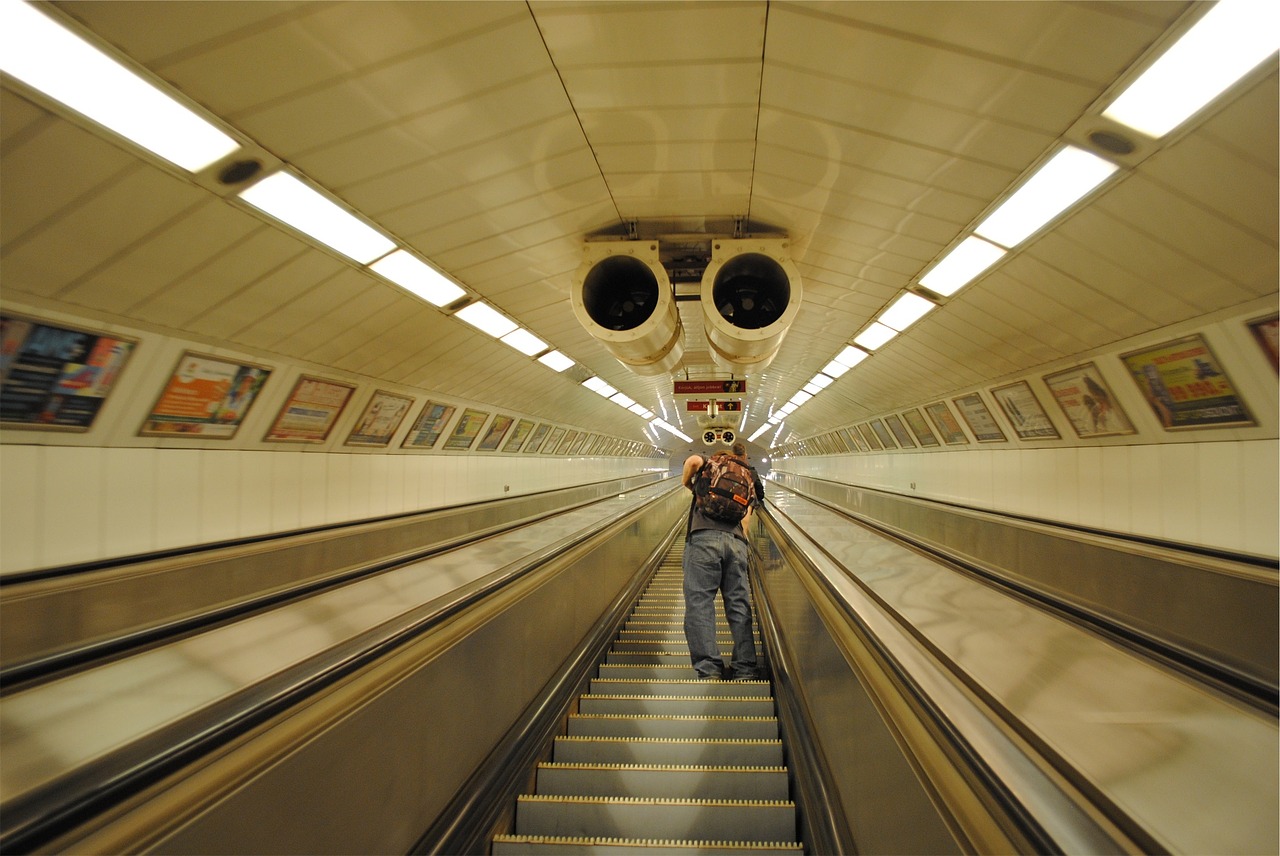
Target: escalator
[657,759]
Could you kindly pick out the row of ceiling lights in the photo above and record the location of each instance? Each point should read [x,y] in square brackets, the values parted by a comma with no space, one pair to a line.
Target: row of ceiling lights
[60,64]
[1229,41]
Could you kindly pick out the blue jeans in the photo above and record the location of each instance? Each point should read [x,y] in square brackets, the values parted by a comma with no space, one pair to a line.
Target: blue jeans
[717,561]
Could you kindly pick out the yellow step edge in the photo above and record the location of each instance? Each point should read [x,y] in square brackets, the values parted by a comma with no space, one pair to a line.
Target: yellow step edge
[663,768]
[647,843]
[581,800]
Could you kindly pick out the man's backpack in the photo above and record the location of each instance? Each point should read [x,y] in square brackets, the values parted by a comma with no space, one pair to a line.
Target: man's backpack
[724,489]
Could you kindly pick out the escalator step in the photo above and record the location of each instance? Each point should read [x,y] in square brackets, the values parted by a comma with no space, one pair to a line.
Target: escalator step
[663,781]
[683,819]
[542,845]
[700,687]
[668,750]
[701,727]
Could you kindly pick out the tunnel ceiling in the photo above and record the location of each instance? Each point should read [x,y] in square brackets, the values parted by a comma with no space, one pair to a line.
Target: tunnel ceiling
[492,138]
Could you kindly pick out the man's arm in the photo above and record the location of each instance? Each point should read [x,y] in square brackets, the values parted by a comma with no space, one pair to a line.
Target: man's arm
[693,463]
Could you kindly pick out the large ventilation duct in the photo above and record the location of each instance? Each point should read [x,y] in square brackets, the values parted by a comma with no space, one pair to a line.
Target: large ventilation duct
[750,295]
[623,298]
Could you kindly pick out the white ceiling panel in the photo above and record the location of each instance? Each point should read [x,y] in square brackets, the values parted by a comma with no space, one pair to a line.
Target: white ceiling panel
[493,138]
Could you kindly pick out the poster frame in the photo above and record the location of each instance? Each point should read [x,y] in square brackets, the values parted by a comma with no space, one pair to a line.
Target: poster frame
[1018,397]
[421,429]
[241,370]
[975,403]
[1162,370]
[1061,386]
[380,439]
[275,434]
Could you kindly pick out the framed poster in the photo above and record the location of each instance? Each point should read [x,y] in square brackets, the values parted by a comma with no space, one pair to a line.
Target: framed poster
[518,436]
[945,421]
[1025,414]
[854,440]
[536,440]
[381,418]
[1087,402]
[1264,333]
[552,441]
[920,428]
[1186,386]
[309,413]
[428,427]
[497,430]
[569,438]
[56,377]
[869,437]
[467,429]
[579,444]
[981,422]
[882,434]
[204,397]
[899,430]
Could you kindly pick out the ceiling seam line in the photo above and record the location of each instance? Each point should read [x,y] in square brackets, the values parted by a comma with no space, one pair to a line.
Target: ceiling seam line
[755,133]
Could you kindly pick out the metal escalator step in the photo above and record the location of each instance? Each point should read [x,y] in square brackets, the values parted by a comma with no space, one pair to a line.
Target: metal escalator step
[677,705]
[670,725]
[682,671]
[698,687]
[678,658]
[662,781]
[542,845]
[685,819]
[668,750]
[669,645]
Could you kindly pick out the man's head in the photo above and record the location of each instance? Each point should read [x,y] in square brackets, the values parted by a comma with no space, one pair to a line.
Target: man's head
[740,449]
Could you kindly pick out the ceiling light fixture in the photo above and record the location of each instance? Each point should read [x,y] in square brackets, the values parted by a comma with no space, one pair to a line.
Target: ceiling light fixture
[291,201]
[486,319]
[835,369]
[962,265]
[1061,182]
[599,387]
[556,361]
[1228,42]
[418,277]
[905,311]
[52,59]
[875,336]
[524,342]
[671,429]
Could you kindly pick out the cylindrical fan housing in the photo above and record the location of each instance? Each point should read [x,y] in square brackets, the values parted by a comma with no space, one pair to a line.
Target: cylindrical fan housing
[751,293]
[623,298]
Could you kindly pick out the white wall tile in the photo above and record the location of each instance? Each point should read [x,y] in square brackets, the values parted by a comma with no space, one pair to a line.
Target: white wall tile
[177,498]
[254,510]
[19,506]
[219,487]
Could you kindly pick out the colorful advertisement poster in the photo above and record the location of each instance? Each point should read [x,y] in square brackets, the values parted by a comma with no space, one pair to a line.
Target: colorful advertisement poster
[538,438]
[566,443]
[205,397]
[523,428]
[493,437]
[1088,402]
[381,418]
[1028,418]
[56,377]
[553,441]
[1186,386]
[945,421]
[920,428]
[900,432]
[311,410]
[1265,334]
[428,427]
[467,429]
[869,437]
[981,422]
[882,434]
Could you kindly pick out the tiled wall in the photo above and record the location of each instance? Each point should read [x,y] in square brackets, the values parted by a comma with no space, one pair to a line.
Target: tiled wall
[1220,495]
[67,504]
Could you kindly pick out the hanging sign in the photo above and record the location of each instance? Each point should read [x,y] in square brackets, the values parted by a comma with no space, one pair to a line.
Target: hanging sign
[710,387]
[722,406]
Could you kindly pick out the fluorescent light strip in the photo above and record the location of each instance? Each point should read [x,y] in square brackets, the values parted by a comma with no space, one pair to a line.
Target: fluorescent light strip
[287,198]
[905,311]
[875,335]
[1229,41]
[1052,189]
[417,277]
[486,319]
[800,398]
[50,58]
[671,429]
[599,387]
[556,361]
[850,356]
[758,432]
[641,410]
[961,266]
[811,388]
[622,399]
[524,342]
